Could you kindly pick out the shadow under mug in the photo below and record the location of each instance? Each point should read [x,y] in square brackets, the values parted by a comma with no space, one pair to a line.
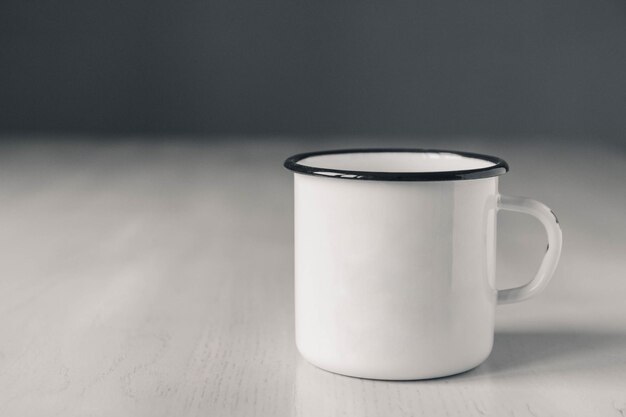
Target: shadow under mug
[395,259]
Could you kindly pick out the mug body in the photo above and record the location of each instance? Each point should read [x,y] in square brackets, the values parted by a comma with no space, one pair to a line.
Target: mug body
[395,280]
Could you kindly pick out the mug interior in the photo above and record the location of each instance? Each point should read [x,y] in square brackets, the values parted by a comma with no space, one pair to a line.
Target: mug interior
[397,164]
[417,162]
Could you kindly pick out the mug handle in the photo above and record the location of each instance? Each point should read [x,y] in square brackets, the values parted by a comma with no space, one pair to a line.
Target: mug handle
[550,259]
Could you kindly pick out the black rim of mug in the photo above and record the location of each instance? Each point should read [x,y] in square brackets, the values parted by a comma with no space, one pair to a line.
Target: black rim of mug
[499,167]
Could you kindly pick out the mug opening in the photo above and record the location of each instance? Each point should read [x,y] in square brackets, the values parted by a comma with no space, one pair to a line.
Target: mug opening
[397,164]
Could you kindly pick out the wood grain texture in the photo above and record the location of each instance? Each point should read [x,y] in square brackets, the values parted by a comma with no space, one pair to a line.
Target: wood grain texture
[153,279]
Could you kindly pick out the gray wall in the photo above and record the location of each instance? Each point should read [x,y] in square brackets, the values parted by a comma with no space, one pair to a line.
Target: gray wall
[316,67]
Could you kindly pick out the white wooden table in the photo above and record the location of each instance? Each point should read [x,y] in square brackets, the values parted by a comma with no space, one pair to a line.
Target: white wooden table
[154,278]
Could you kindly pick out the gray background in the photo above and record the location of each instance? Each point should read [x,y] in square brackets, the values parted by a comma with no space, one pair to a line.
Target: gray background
[447,67]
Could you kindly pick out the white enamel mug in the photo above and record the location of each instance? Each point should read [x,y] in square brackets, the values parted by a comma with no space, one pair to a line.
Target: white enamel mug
[395,260]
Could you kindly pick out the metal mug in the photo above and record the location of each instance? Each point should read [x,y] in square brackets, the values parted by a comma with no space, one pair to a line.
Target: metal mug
[395,259]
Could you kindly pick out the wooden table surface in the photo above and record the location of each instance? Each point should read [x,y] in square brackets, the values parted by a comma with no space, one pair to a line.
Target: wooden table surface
[154,278]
